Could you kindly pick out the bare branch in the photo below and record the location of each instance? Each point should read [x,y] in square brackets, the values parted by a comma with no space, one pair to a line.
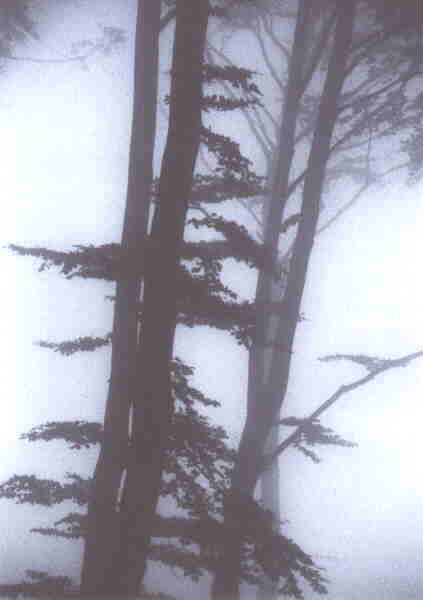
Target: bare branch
[267,24]
[356,196]
[402,79]
[262,125]
[267,59]
[372,41]
[358,125]
[366,45]
[268,114]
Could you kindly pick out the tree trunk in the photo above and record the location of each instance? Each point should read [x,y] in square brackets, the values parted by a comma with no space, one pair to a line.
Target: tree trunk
[270,478]
[103,527]
[226,582]
[270,500]
[263,404]
[153,405]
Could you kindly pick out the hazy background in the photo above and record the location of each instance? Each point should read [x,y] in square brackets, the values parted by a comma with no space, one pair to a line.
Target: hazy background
[64,148]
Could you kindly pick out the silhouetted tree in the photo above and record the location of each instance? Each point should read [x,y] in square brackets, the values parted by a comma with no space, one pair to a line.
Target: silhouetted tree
[272,344]
[263,404]
[102,550]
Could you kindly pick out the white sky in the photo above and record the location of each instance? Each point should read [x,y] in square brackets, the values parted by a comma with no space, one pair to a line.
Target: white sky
[63,170]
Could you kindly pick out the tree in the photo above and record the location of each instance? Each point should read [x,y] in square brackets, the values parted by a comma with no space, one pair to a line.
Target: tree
[206,443]
[259,366]
[263,406]
[216,143]
[17,24]
[106,536]
[153,405]
[101,546]
[191,437]
[215,221]
[197,452]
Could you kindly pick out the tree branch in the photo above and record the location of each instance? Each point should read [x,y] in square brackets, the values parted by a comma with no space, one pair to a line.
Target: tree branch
[267,59]
[267,23]
[318,50]
[385,365]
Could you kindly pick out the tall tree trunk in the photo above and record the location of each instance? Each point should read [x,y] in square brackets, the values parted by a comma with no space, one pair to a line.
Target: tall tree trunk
[226,581]
[270,479]
[153,405]
[101,549]
[263,404]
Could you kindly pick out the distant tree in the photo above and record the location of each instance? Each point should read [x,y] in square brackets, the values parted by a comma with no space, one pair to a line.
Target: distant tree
[16,25]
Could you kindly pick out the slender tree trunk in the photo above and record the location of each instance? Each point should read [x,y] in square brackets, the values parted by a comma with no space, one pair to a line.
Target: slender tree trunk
[270,478]
[153,405]
[270,500]
[226,582]
[263,404]
[103,525]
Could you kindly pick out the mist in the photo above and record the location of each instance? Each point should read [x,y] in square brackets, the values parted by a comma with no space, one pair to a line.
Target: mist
[65,135]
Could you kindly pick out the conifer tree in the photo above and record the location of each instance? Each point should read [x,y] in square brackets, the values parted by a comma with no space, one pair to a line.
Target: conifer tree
[197,298]
[260,390]
[232,177]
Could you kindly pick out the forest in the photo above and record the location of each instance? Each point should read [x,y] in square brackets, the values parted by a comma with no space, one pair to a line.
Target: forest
[212,302]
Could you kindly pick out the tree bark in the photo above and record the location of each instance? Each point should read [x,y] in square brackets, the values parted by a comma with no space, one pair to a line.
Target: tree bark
[263,404]
[103,524]
[153,404]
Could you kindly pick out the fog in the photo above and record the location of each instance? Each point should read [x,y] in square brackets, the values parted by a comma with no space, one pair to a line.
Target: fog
[65,135]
